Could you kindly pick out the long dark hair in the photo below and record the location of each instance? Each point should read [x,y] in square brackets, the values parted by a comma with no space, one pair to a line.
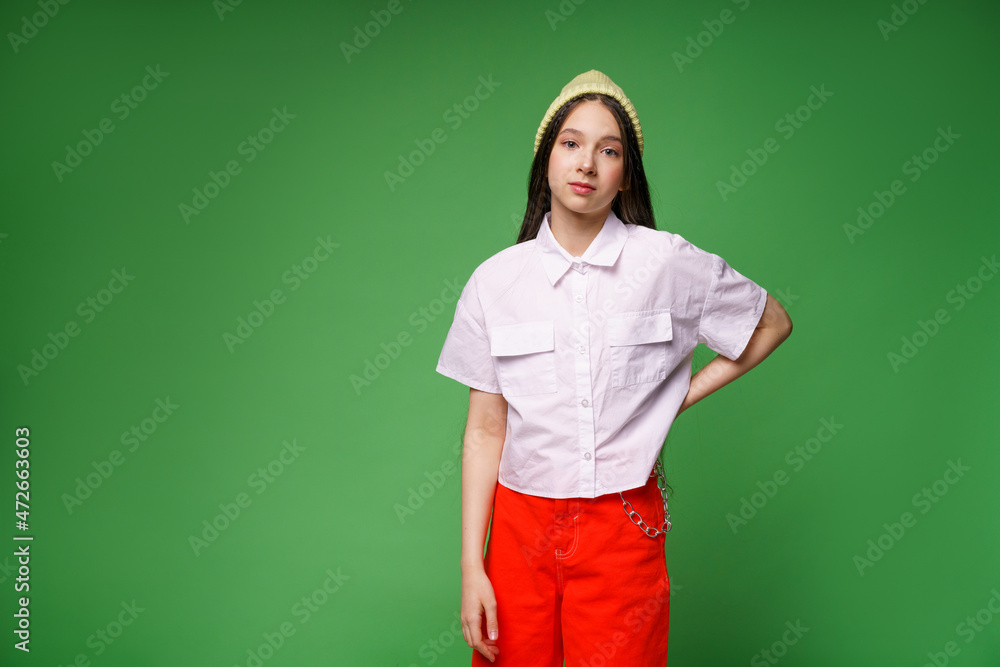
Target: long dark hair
[631,205]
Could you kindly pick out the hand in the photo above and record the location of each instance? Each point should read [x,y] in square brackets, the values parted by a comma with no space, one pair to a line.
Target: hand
[477,598]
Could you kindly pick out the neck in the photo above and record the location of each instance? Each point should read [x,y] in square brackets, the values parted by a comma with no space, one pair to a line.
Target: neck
[576,231]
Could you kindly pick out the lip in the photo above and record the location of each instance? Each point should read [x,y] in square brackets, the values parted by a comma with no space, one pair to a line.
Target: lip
[581,188]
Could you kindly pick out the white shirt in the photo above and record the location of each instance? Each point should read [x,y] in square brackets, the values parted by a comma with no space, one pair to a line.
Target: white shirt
[593,354]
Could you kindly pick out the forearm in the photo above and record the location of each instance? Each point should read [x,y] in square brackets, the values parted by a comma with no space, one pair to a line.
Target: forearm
[480,466]
[720,371]
[772,330]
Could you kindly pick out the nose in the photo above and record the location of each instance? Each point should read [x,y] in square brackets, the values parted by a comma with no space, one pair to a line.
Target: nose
[586,162]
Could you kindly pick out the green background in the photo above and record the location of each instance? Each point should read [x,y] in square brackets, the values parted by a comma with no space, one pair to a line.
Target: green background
[365,450]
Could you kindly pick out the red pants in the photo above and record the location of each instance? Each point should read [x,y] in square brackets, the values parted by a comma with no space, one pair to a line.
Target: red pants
[576,580]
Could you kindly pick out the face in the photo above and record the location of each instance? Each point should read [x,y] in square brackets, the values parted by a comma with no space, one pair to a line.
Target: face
[588,151]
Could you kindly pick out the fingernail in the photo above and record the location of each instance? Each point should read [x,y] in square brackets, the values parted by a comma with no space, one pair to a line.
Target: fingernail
[493,634]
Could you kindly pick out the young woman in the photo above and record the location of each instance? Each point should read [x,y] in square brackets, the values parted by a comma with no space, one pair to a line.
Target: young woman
[576,343]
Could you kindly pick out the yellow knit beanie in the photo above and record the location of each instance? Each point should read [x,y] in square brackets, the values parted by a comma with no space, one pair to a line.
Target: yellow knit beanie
[590,82]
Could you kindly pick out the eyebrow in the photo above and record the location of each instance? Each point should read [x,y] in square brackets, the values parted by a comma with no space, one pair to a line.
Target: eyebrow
[607,137]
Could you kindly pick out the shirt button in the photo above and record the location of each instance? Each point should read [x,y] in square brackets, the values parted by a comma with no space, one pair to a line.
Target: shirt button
[587,456]
[582,349]
[584,402]
[579,298]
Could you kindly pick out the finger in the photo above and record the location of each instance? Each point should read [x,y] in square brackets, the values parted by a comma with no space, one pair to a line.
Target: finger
[486,646]
[492,627]
[475,631]
[491,656]
[489,652]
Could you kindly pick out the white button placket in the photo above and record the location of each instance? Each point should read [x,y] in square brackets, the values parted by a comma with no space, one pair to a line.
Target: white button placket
[584,400]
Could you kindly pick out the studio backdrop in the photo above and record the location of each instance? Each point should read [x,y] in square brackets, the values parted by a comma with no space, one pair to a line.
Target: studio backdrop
[231,243]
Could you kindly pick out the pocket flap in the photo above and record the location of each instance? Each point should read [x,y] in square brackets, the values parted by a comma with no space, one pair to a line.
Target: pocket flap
[522,338]
[644,326]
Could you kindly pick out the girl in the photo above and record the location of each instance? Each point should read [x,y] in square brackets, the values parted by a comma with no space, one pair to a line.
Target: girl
[576,343]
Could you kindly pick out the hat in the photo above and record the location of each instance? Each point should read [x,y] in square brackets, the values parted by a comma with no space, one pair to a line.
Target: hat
[590,82]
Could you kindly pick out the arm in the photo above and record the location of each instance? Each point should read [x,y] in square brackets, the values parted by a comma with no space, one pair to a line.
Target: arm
[772,330]
[485,432]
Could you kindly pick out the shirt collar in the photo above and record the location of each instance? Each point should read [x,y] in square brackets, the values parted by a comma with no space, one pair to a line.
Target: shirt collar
[603,250]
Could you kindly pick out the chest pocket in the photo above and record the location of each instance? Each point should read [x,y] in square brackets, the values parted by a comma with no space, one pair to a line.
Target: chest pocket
[640,343]
[526,357]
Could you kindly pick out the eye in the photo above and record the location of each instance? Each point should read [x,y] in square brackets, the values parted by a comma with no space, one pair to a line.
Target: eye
[568,141]
[613,151]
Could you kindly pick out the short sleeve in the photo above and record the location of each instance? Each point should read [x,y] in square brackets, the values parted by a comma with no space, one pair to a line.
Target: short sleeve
[733,307]
[466,356]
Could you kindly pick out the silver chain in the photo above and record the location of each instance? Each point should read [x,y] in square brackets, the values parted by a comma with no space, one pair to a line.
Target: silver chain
[636,518]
